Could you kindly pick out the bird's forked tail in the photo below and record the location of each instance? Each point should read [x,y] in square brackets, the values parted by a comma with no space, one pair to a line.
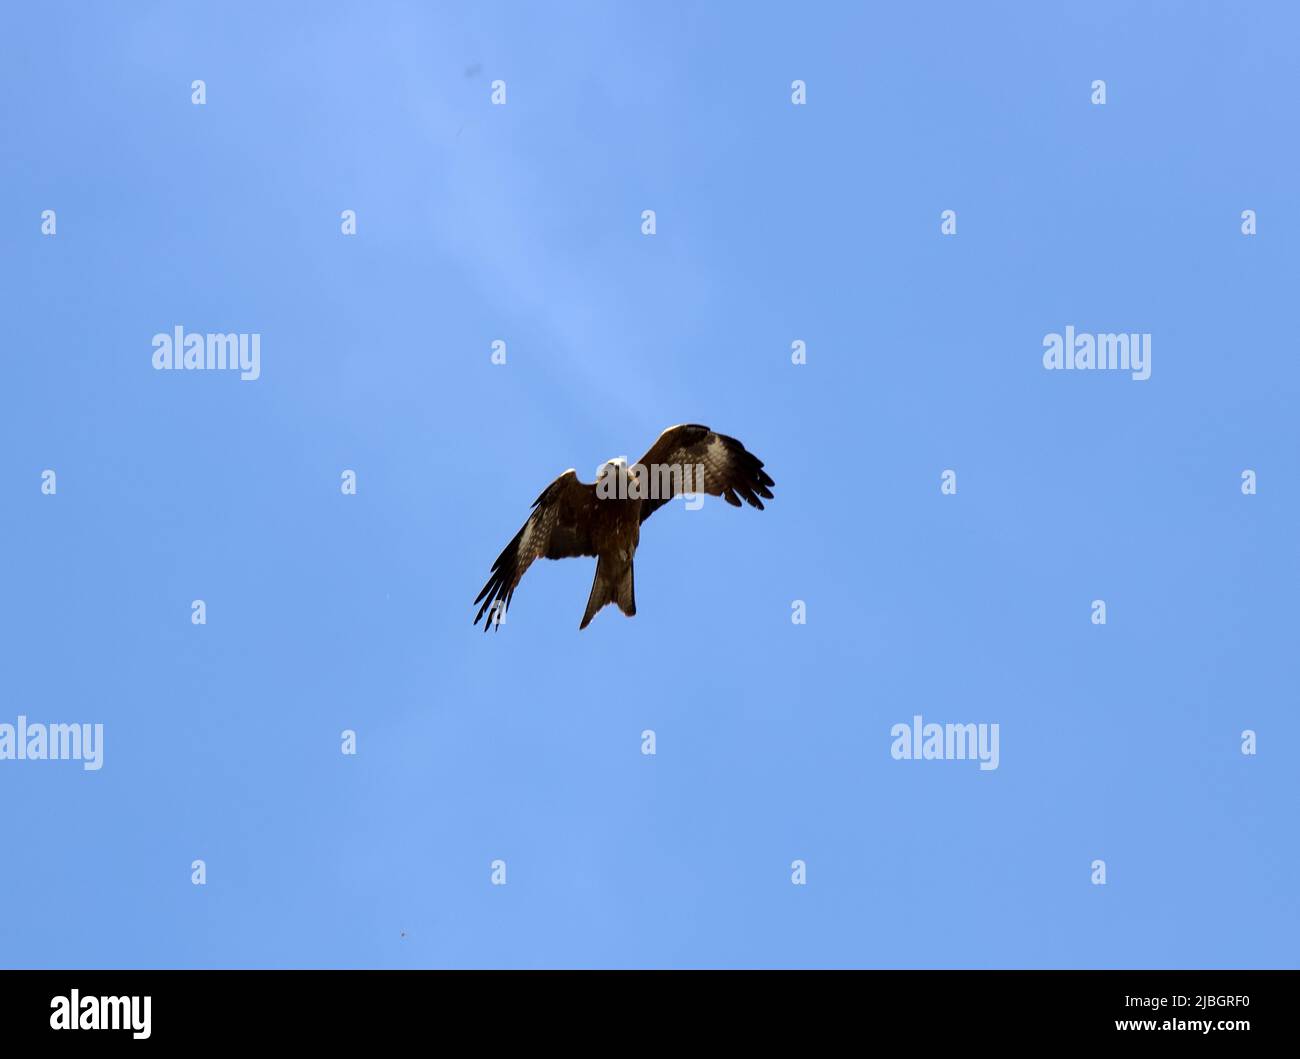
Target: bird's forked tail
[613,584]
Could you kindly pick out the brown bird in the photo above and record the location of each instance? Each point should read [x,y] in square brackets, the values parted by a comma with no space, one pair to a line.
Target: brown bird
[604,519]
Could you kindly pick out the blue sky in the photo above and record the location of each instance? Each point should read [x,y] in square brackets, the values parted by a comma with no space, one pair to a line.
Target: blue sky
[775,223]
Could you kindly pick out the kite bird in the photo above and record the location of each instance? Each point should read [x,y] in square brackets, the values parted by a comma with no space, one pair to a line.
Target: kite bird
[604,519]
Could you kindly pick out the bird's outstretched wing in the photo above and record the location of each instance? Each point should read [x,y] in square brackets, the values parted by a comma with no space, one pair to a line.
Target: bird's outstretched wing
[729,470]
[559,527]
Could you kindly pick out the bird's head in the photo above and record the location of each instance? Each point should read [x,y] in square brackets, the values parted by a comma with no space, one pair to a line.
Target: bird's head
[611,478]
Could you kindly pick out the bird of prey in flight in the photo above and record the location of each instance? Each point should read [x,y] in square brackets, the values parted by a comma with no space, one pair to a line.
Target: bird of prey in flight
[604,519]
